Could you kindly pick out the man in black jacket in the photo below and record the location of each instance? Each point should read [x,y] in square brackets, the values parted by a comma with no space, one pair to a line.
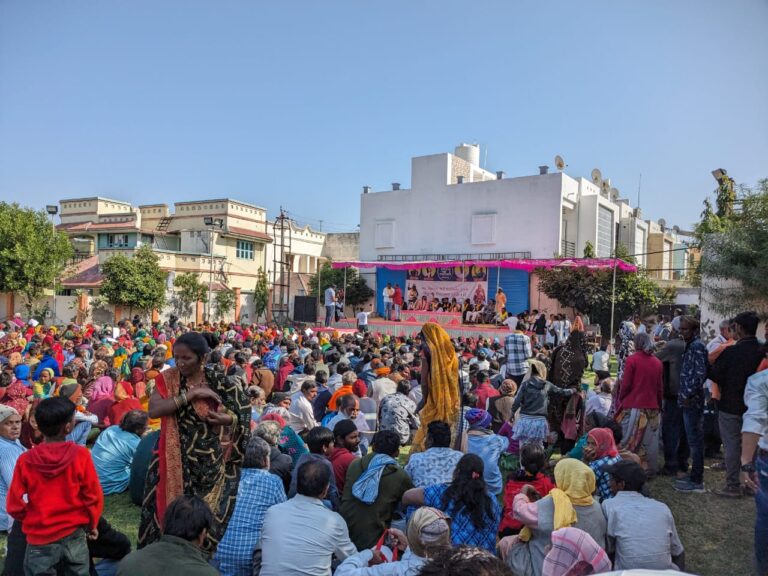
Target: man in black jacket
[730,371]
[676,450]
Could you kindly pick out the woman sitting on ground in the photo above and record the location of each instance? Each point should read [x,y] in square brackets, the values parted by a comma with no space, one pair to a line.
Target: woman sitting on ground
[474,510]
[569,504]
[600,452]
[429,532]
[533,460]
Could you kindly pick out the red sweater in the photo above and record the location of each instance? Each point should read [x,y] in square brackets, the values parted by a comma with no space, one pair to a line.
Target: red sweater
[642,384]
[484,393]
[513,487]
[340,459]
[62,488]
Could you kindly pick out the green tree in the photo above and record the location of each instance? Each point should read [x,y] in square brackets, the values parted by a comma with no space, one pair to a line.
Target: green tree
[189,291]
[734,259]
[589,250]
[357,289]
[225,302]
[32,254]
[590,291]
[135,282]
[261,294]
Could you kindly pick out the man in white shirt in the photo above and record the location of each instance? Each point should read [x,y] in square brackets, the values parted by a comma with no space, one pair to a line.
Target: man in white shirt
[383,385]
[641,531]
[330,304]
[511,322]
[387,294]
[301,414]
[301,536]
[600,360]
[362,320]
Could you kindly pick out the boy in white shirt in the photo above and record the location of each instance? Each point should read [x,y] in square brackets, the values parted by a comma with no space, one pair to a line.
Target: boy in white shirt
[362,320]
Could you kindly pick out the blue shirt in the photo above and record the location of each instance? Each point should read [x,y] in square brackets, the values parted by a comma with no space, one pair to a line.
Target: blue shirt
[462,529]
[518,348]
[9,453]
[489,447]
[112,456]
[257,492]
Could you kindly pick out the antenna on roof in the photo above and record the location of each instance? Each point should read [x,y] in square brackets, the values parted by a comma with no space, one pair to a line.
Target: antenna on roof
[639,184]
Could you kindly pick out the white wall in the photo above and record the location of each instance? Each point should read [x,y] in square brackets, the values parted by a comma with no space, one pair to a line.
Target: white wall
[434,217]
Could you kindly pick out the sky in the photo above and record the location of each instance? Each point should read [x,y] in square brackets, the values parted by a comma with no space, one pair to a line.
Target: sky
[301,103]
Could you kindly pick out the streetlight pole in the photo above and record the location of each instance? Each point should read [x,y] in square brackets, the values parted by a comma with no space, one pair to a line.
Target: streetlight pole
[613,300]
[52,210]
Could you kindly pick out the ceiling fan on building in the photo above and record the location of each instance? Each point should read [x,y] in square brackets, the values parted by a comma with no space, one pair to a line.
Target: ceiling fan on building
[560,163]
[597,178]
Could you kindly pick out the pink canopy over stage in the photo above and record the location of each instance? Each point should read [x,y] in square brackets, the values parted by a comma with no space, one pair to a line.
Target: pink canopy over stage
[529,265]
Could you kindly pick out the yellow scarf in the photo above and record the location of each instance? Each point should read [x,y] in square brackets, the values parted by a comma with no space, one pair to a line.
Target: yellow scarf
[442,382]
[575,485]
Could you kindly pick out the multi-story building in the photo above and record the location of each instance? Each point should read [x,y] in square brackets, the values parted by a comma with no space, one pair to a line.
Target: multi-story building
[457,210]
[225,241]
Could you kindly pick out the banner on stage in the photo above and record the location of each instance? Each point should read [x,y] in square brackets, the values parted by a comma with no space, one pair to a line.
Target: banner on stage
[460,282]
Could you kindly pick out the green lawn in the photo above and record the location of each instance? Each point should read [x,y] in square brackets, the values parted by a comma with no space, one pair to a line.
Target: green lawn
[717,532]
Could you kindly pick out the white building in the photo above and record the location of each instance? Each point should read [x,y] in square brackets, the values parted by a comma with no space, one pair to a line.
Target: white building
[456,207]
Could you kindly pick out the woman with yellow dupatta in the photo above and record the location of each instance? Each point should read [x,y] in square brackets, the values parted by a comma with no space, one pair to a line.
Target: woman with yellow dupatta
[439,384]
[205,426]
[570,504]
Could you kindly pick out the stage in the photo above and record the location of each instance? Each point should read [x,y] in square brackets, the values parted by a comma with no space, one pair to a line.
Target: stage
[412,321]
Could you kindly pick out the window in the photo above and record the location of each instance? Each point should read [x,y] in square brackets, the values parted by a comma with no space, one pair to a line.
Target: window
[483,228]
[385,234]
[244,250]
[604,232]
[117,240]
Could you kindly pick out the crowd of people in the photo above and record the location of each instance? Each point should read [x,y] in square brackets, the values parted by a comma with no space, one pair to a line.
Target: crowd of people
[278,451]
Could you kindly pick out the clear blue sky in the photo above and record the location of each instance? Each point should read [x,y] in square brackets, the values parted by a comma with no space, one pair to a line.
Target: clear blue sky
[301,103]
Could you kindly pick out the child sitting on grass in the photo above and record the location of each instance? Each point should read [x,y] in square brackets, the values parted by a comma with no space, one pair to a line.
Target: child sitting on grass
[533,459]
[63,496]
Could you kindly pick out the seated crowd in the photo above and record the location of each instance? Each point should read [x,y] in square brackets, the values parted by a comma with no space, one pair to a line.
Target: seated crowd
[354,454]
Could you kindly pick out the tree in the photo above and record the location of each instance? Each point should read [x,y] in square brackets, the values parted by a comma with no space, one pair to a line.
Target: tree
[261,294]
[225,302]
[590,290]
[734,260]
[357,290]
[135,282]
[589,250]
[32,254]
[189,291]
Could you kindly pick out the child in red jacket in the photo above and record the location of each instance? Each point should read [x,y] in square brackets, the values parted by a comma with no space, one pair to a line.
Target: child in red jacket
[533,459]
[64,497]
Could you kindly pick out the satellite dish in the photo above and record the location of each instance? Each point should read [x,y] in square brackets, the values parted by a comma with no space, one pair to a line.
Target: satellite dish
[605,186]
[662,223]
[559,163]
[614,192]
[676,229]
[597,177]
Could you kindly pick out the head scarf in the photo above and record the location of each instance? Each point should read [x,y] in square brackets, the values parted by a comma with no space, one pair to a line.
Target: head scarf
[50,373]
[383,371]
[6,412]
[137,375]
[72,391]
[21,372]
[442,379]
[575,484]
[508,388]
[428,528]
[478,419]
[538,368]
[574,552]
[603,437]
[273,416]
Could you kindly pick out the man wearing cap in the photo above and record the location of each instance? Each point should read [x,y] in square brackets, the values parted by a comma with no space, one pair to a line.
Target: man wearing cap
[10,450]
[641,531]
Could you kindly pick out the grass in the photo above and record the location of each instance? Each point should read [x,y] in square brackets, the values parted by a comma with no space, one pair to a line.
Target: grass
[717,533]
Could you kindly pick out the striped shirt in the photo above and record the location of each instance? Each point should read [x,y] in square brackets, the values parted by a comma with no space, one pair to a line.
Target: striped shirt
[10,450]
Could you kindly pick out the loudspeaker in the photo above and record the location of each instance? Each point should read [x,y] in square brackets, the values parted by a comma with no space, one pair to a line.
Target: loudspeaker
[305,309]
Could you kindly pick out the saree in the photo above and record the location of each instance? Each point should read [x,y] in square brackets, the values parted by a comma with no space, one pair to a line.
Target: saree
[193,457]
[440,375]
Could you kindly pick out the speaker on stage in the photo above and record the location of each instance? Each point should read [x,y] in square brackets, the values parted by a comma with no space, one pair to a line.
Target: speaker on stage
[305,309]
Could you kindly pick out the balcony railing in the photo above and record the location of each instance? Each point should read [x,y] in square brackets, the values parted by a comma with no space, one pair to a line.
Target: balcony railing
[454,257]
[76,258]
[567,249]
